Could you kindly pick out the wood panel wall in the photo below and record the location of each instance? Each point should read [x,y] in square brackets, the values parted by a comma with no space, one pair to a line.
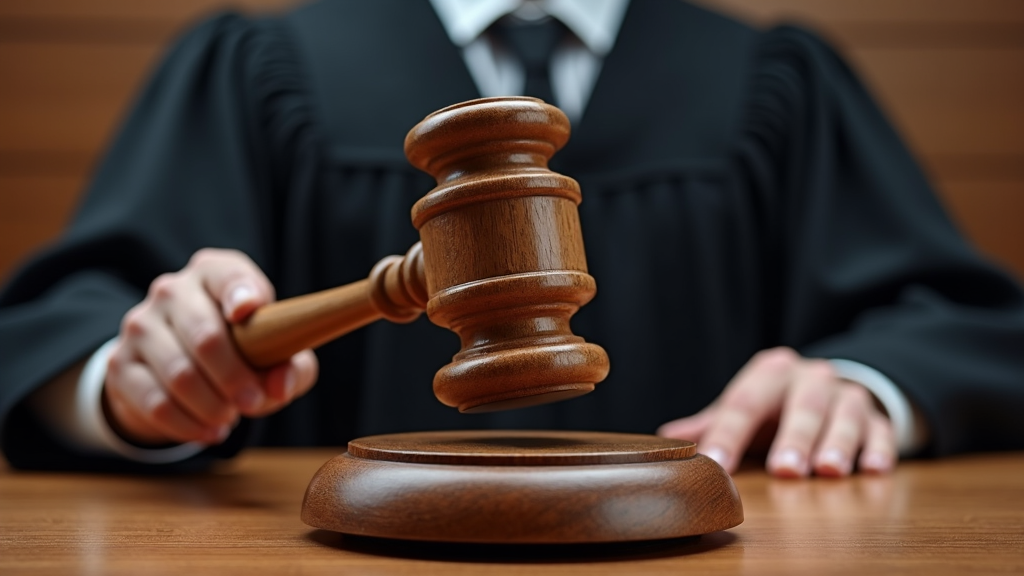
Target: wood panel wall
[950,73]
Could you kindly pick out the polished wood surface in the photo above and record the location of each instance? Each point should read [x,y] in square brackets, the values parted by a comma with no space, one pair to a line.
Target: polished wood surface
[500,262]
[956,516]
[503,254]
[526,487]
[520,448]
[395,290]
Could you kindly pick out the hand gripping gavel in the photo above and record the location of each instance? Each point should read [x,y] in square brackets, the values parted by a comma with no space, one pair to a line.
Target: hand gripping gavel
[500,263]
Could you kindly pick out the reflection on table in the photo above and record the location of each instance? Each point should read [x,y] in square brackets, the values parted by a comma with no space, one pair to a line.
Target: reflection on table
[931,517]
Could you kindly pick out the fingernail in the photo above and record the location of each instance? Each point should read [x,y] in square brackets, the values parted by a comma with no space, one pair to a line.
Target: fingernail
[789,460]
[718,455]
[238,296]
[876,462]
[835,460]
[249,398]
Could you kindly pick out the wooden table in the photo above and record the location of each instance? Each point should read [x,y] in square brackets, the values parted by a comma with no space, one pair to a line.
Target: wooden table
[955,516]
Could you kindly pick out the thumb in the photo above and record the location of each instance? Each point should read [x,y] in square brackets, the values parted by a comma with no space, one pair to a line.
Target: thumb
[240,300]
[290,380]
[234,280]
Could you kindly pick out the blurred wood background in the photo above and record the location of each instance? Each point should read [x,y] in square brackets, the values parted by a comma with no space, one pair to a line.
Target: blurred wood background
[950,73]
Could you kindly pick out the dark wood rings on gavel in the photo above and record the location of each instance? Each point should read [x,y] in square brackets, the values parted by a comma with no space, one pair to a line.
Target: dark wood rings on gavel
[502,264]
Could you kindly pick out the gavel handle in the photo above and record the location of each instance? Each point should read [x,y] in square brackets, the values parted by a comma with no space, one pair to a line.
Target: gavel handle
[395,289]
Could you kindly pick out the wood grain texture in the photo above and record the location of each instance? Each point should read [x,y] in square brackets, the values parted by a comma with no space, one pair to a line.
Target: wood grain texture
[501,263]
[395,290]
[949,517]
[503,254]
[949,72]
[520,448]
[521,487]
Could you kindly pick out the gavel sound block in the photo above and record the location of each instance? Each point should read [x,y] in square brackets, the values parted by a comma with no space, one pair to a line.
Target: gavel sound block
[501,263]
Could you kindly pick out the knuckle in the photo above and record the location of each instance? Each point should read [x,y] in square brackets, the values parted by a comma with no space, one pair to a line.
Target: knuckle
[736,420]
[777,359]
[234,254]
[820,370]
[207,339]
[163,287]
[804,424]
[741,400]
[182,379]
[133,325]
[118,387]
[204,255]
[858,395]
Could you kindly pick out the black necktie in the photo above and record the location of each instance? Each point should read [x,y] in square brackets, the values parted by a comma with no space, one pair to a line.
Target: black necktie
[532,42]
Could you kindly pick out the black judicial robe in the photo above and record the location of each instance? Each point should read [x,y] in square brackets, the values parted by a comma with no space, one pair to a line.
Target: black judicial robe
[741,191]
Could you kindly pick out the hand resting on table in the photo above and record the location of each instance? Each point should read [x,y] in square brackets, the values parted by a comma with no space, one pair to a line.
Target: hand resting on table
[176,376]
[823,421]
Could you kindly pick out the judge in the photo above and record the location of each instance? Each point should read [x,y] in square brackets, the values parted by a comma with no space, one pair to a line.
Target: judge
[766,250]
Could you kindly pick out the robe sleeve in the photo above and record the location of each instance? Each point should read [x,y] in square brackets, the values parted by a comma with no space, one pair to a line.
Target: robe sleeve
[872,270]
[194,166]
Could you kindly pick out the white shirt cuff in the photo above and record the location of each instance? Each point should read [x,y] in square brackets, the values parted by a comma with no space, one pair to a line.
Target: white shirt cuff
[73,411]
[910,430]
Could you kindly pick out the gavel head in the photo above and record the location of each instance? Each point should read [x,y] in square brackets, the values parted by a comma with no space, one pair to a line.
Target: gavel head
[503,254]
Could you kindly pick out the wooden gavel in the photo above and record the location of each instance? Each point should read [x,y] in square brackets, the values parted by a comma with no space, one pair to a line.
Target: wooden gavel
[500,262]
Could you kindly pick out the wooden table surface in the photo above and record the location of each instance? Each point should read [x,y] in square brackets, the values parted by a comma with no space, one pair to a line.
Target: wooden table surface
[954,516]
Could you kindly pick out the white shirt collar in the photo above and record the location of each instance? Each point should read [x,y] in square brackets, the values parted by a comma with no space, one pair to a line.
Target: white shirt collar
[595,22]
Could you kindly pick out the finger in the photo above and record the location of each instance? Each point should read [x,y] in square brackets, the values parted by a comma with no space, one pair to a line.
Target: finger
[123,420]
[154,344]
[844,432]
[879,454]
[143,396]
[691,428]
[198,327]
[130,426]
[754,396]
[233,280]
[802,419]
[306,369]
[286,382]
